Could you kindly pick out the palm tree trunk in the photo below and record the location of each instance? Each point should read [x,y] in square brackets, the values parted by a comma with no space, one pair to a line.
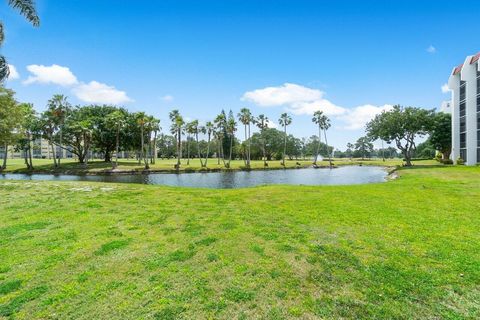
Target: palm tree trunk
[155,147]
[231,147]
[61,143]
[188,150]
[263,151]
[198,150]
[208,151]
[284,145]
[218,151]
[179,146]
[53,153]
[248,146]
[326,142]
[30,147]
[318,145]
[245,158]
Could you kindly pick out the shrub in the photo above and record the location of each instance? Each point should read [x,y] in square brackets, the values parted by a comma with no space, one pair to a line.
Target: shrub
[460,161]
[446,161]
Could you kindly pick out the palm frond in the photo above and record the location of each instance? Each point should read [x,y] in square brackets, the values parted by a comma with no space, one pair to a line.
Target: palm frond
[27,9]
[4,70]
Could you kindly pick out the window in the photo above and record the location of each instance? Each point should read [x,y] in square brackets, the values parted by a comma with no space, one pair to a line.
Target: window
[462,108]
[478,102]
[478,155]
[463,91]
[463,140]
[463,154]
[463,124]
[478,138]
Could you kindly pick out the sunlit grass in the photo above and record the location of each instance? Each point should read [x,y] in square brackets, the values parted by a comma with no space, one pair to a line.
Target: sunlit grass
[405,249]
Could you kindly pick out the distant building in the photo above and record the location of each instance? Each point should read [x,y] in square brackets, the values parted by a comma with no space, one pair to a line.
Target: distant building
[465,105]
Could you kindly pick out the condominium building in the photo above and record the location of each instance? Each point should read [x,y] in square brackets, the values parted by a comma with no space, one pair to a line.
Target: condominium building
[464,82]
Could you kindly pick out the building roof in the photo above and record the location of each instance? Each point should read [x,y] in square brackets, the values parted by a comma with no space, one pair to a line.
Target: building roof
[458,68]
[475,58]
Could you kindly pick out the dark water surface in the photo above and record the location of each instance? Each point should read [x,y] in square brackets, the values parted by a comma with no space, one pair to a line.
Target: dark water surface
[235,179]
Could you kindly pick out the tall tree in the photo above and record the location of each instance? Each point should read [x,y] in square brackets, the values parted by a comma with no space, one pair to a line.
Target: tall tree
[220,133]
[116,120]
[155,125]
[49,128]
[262,123]
[27,9]
[191,129]
[208,129]
[285,120]
[58,106]
[441,134]
[364,147]
[401,125]
[231,127]
[325,125]
[142,120]
[246,118]
[11,117]
[317,119]
[177,128]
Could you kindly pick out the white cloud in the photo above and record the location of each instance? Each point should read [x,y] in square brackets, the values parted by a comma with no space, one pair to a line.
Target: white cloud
[286,94]
[308,108]
[296,98]
[445,88]
[431,49]
[301,100]
[167,98]
[271,124]
[92,92]
[53,74]
[96,92]
[13,72]
[358,117]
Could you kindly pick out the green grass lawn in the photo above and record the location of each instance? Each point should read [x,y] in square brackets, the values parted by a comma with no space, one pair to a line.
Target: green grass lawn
[97,166]
[405,249]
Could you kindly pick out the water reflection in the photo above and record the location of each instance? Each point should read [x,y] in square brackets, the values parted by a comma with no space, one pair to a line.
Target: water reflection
[236,179]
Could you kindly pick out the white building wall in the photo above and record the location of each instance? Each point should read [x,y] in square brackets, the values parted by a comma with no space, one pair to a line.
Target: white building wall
[468,73]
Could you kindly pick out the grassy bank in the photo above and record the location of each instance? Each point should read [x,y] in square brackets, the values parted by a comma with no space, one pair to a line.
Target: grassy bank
[70,166]
[403,249]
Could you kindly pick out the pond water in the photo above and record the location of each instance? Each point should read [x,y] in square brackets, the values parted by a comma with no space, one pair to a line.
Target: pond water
[236,179]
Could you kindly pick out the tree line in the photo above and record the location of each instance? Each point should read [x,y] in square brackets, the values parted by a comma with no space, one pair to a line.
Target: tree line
[106,131]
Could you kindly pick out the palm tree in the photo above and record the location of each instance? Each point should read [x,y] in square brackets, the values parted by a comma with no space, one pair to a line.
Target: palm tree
[155,125]
[59,106]
[48,125]
[231,128]
[350,146]
[325,125]
[191,128]
[208,129]
[246,118]
[262,123]
[142,121]
[27,9]
[285,120]
[116,119]
[220,128]
[317,119]
[176,129]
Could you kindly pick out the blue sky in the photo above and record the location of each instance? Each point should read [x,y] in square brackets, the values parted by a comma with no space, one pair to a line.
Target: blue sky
[348,58]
